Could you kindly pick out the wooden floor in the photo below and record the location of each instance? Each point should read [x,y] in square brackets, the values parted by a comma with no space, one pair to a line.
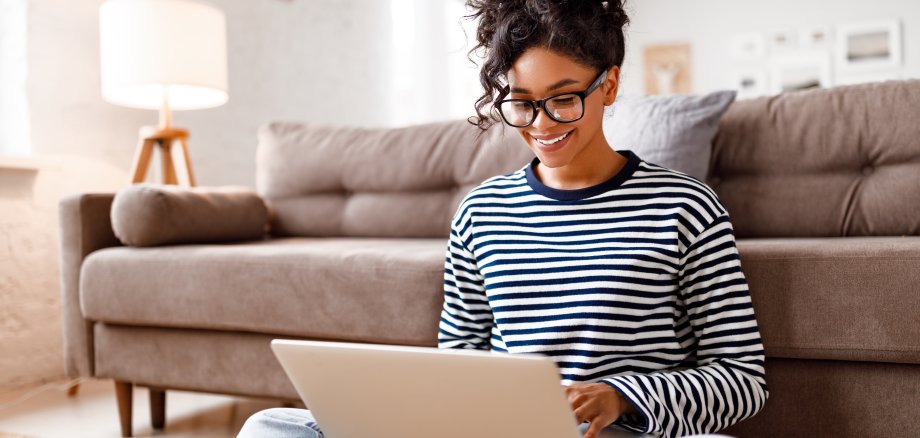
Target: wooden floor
[94,413]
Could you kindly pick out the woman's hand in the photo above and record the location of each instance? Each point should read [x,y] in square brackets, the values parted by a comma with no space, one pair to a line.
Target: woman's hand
[597,403]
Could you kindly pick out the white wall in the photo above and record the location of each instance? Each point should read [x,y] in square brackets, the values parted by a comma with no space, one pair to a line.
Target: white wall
[431,77]
[31,330]
[14,120]
[709,24]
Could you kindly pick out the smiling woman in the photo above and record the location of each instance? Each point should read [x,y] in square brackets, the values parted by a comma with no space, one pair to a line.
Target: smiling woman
[624,272]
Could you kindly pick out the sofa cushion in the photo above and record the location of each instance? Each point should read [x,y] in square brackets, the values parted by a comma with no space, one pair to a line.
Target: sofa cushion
[157,214]
[373,290]
[831,298]
[836,298]
[326,180]
[843,161]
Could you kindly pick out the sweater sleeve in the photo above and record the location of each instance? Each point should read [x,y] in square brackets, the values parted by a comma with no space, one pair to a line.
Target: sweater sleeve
[728,384]
[466,318]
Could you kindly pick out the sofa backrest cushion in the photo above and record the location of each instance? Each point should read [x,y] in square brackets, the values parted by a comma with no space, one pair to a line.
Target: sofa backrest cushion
[842,161]
[406,182]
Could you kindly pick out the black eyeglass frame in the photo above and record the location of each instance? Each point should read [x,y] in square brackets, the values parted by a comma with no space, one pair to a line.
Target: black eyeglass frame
[536,105]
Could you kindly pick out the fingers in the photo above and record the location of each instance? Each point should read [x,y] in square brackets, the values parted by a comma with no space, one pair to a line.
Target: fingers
[581,406]
[583,414]
[594,429]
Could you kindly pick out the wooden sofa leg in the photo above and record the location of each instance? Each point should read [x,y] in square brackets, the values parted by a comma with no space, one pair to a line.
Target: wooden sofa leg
[124,392]
[158,408]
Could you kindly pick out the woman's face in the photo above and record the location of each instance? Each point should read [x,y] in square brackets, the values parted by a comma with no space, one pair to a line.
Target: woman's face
[541,73]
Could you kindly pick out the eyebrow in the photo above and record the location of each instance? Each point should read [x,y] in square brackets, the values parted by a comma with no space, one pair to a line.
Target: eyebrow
[555,86]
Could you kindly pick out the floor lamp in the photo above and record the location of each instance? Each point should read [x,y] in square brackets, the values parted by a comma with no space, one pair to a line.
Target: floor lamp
[164,55]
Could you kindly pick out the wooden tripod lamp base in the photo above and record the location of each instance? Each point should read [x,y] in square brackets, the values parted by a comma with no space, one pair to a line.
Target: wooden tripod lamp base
[174,158]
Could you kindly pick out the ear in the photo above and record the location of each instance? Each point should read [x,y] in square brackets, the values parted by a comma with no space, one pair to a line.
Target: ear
[611,85]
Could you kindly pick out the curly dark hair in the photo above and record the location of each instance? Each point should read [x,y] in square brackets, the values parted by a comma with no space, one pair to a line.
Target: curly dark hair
[588,31]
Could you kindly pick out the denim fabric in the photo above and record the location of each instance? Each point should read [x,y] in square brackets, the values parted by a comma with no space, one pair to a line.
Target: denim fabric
[281,423]
[299,423]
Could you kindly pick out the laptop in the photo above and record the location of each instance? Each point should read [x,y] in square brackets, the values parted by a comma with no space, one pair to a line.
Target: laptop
[385,391]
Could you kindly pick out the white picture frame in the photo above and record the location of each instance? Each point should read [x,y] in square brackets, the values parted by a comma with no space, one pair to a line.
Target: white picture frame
[816,37]
[800,70]
[748,47]
[750,83]
[869,46]
[782,40]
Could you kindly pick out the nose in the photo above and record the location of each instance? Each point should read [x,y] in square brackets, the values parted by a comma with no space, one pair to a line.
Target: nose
[543,121]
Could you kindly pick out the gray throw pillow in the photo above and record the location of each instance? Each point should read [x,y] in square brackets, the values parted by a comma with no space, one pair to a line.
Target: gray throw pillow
[671,131]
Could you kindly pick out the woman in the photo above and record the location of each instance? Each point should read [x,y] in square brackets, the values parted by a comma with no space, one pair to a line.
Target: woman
[624,272]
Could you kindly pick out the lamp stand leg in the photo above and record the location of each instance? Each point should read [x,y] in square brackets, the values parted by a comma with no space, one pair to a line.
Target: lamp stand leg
[141,160]
[176,166]
[166,162]
[188,162]
[181,163]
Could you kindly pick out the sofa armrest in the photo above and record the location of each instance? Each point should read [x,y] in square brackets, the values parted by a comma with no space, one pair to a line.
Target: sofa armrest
[85,227]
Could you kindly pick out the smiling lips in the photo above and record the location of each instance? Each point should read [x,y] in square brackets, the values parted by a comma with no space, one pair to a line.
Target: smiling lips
[550,140]
[548,143]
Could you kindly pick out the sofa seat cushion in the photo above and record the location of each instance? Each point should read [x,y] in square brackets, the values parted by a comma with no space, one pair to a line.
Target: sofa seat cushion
[386,290]
[852,298]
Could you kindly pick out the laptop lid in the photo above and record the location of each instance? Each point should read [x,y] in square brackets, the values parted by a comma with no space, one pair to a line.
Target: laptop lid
[383,391]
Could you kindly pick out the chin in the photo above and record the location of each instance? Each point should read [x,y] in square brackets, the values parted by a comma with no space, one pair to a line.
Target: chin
[553,161]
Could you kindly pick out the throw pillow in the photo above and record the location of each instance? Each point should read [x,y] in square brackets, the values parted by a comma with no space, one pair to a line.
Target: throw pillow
[154,214]
[671,131]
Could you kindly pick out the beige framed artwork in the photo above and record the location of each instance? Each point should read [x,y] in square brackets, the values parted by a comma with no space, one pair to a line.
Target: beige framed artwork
[667,69]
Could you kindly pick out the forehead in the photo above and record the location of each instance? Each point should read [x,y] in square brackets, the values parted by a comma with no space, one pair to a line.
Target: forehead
[538,68]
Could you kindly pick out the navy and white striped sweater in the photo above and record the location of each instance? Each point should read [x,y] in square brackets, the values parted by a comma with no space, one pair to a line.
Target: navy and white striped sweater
[635,282]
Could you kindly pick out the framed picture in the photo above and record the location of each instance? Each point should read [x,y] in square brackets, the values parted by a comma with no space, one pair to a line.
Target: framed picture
[800,71]
[748,47]
[667,69]
[781,41]
[867,46]
[815,37]
[750,83]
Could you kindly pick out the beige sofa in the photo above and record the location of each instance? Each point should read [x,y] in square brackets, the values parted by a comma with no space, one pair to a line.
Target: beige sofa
[823,188]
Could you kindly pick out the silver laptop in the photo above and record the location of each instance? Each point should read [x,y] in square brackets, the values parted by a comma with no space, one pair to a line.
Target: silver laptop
[383,391]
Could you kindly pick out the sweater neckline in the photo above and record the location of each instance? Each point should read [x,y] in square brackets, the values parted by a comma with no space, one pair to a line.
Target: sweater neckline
[632,162]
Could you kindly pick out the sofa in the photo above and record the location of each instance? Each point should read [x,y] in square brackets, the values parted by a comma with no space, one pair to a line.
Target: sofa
[823,188]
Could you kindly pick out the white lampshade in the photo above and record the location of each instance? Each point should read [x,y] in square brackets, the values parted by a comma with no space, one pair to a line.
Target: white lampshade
[156,49]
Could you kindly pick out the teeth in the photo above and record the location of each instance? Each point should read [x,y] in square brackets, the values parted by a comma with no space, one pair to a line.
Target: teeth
[553,141]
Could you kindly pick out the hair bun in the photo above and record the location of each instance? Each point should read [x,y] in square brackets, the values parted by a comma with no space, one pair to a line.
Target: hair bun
[614,9]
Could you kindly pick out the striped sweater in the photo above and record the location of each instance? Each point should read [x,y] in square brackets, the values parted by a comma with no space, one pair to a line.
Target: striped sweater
[634,282]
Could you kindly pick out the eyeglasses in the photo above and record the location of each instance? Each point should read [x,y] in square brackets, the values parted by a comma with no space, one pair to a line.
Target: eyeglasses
[563,108]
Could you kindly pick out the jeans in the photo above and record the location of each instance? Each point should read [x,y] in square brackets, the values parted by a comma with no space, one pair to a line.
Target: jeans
[299,423]
[281,423]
